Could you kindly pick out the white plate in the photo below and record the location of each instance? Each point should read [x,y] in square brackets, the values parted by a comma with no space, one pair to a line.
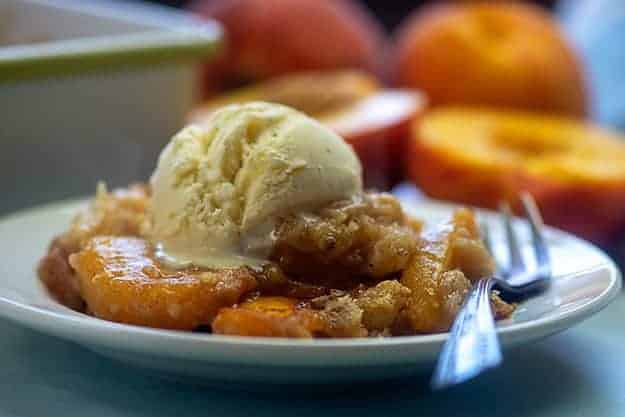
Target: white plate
[586,281]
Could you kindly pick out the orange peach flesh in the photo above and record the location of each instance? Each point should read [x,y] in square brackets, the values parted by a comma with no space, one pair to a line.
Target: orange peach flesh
[120,281]
[575,171]
[267,316]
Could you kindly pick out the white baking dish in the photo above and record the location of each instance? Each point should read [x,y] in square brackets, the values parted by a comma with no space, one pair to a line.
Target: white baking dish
[91,90]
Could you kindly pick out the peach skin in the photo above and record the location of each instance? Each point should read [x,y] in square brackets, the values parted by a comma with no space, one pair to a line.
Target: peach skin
[499,54]
[266,38]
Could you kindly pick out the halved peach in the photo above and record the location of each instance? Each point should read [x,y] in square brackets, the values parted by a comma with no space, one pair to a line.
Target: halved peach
[314,93]
[378,127]
[574,170]
[374,121]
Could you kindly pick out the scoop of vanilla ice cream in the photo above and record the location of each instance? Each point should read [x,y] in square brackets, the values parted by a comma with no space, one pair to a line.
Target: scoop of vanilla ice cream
[218,190]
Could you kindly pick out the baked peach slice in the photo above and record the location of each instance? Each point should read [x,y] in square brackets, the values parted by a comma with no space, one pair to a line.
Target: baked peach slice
[116,213]
[120,281]
[375,121]
[574,170]
[501,54]
[268,316]
[440,273]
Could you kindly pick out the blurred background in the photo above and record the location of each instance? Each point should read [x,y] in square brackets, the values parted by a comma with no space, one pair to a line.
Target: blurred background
[467,101]
[390,13]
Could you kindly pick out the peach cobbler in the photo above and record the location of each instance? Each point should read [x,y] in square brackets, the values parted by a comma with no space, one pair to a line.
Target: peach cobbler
[257,225]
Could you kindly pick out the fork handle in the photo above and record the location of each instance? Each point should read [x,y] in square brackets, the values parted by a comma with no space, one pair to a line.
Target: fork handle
[472,346]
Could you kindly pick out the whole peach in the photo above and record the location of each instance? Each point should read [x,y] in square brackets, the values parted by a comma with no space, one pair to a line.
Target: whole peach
[266,38]
[504,54]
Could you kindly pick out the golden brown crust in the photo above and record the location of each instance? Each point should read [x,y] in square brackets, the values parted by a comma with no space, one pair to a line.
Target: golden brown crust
[366,238]
[117,213]
[382,304]
[501,309]
[341,316]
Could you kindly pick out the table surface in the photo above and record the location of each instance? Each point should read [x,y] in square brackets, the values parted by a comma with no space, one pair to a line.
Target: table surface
[580,372]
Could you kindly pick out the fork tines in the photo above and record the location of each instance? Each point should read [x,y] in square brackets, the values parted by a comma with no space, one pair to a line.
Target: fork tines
[516,269]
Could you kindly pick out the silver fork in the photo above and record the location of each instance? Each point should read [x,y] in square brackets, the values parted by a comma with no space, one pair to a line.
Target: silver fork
[473,346]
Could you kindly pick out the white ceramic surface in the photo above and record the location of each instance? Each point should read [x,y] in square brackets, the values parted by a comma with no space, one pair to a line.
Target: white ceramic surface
[586,281]
[97,94]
